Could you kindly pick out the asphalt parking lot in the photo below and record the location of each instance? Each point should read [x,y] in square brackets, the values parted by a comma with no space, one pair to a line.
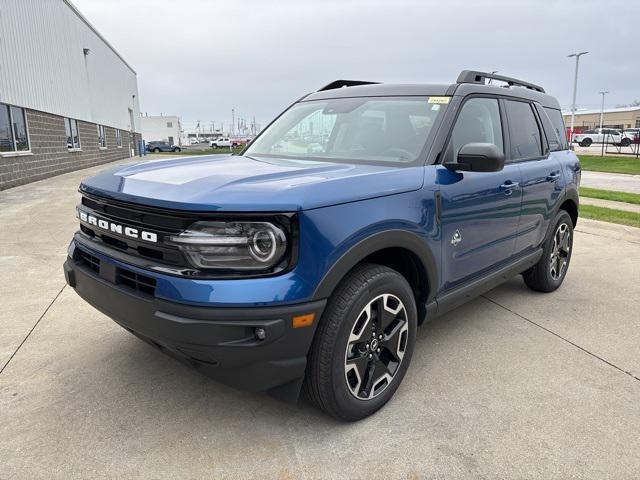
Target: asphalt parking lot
[515,384]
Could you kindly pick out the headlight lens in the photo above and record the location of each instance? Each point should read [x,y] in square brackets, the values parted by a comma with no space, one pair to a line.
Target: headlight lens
[233,245]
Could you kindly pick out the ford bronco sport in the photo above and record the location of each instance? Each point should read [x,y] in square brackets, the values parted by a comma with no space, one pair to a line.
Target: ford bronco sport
[308,261]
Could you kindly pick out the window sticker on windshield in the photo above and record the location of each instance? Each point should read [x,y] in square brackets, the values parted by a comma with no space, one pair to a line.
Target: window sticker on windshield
[439,100]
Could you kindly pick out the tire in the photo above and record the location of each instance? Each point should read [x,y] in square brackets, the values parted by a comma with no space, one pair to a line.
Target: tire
[234,145]
[177,150]
[625,142]
[586,142]
[342,347]
[214,146]
[549,273]
[156,150]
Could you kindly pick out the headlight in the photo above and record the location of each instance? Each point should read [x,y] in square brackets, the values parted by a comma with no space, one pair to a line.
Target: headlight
[233,245]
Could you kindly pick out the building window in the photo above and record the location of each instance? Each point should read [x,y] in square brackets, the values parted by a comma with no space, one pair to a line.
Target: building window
[638,123]
[102,138]
[118,138]
[13,129]
[71,129]
[169,124]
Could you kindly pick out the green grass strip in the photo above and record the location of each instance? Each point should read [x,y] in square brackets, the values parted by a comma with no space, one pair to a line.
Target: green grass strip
[610,195]
[610,215]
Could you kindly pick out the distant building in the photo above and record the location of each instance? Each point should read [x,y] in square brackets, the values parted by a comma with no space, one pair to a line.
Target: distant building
[68,99]
[625,117]
[161,127]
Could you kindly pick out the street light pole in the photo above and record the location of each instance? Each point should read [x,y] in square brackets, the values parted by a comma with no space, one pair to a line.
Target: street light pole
[602,108]
[575,89]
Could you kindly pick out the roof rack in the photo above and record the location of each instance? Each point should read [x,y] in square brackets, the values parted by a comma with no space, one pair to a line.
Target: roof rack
[345,83]
[471,76]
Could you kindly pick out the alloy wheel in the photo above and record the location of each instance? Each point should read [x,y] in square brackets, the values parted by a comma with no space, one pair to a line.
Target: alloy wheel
[376,346]
[560,250]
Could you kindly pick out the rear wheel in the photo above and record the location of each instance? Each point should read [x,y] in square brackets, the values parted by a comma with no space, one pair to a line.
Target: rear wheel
[625,142]
[586,142]
[176,149]
[548,274]
[214,146]
[156,150]
[364,343]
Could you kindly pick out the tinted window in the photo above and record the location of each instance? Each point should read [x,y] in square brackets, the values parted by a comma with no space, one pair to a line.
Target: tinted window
[549,131]
[523,131]
[6,138]
[556,120]
[19,128]
[478,121]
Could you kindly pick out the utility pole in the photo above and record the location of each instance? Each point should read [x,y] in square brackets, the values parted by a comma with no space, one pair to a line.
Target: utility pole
[233,121]
[602,108]
[575,90]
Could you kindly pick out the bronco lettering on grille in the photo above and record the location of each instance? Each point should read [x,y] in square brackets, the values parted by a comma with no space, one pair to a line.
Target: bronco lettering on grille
[117,228]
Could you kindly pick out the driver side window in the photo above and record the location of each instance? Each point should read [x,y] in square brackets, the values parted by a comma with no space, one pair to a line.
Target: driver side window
[478,121]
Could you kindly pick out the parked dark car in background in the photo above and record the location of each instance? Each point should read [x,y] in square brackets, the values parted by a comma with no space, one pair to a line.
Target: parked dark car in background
[162,147]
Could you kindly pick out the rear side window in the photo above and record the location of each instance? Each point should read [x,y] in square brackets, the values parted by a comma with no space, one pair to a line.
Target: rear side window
[549,131]
[556,120]
[524,133]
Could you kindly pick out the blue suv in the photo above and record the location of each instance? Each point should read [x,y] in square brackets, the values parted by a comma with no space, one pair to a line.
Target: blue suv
[308,261]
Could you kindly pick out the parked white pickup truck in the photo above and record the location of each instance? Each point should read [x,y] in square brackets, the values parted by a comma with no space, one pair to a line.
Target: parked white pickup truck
[224,142]
[602,135]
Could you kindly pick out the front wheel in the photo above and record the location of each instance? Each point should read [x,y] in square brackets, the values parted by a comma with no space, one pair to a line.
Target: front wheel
[176,150]
[156,150]
[364,343]
[625,142]
[548,274]
[586,142]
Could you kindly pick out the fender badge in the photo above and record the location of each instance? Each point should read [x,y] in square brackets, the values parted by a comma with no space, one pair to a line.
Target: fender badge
[457,238]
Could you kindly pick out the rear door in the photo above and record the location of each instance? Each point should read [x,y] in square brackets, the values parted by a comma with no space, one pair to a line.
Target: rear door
[539,166]
[479,210]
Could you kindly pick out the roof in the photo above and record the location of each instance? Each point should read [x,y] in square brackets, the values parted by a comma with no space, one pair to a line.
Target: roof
[458,89]
[75,10]
[595,111]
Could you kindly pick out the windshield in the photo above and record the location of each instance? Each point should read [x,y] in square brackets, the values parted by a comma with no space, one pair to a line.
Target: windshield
[370,130]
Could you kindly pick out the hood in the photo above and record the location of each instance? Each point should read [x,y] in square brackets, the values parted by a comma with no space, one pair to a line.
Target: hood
[238,183]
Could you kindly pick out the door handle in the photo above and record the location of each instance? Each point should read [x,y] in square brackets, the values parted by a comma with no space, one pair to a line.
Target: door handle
[509,186]
[553,176]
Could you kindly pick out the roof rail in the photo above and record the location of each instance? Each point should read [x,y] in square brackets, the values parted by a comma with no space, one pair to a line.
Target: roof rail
[345,83]
[471,76]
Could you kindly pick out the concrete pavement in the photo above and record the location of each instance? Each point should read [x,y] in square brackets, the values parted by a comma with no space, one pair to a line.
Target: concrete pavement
[620,182]
[599,202]
[515,384]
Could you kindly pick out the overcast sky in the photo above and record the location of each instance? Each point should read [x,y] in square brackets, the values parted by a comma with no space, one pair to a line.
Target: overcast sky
[198,59]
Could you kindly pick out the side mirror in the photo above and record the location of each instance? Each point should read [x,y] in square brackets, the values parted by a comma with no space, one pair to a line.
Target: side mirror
[478,157]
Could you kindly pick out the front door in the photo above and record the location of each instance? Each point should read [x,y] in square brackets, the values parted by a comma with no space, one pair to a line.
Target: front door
[479,210]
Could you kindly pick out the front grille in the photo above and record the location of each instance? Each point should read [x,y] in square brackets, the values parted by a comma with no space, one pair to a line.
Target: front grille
[91,262]
[136,281]
[137,217]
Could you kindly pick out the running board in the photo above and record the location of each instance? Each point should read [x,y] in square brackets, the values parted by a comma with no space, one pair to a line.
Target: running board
[460,295]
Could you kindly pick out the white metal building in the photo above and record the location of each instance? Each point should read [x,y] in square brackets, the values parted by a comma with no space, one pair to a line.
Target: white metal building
[65,87]
[161,128]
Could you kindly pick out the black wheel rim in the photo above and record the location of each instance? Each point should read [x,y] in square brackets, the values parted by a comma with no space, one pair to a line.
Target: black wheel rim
[376,346]
[560,251]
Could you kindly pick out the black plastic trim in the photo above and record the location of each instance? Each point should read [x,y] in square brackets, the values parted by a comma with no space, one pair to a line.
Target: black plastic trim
[460,295]
[372,244]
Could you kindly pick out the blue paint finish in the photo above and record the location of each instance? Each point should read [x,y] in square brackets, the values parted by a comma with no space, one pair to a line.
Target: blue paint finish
[485,213]
[243,184]
[541,188]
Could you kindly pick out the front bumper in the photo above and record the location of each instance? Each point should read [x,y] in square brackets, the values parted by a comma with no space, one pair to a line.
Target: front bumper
[221,342]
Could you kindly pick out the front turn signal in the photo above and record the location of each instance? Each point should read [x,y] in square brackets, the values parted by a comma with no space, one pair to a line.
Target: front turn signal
[306,320]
